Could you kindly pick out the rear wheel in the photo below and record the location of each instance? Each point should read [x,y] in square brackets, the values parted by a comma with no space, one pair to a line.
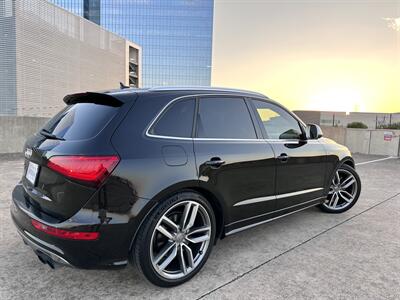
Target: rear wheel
[344,190]
[176,239]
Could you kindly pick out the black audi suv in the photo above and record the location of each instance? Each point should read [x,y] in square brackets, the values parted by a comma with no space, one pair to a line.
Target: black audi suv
[157,176]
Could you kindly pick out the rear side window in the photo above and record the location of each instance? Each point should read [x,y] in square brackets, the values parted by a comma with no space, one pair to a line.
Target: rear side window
[224,118]
[176,121]
[80,121]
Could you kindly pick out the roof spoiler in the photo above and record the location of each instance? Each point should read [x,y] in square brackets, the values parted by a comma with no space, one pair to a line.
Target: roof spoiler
[89,97]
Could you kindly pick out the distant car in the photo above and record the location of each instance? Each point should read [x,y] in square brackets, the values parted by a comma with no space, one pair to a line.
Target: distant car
[156,176]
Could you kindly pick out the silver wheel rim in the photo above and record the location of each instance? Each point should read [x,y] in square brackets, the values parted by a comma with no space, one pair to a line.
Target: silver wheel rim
[342,191]
[180,240]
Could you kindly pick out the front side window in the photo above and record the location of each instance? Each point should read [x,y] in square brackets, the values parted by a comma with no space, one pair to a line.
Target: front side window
[176,121]
[224,118]
[278,123]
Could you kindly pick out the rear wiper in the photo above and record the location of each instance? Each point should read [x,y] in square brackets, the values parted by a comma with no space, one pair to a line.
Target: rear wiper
[49,135]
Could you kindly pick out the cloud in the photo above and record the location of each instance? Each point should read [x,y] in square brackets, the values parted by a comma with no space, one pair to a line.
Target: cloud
[393,23]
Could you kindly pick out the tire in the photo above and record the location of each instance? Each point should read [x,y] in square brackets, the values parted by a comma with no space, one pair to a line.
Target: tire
[345,187]
[170,248]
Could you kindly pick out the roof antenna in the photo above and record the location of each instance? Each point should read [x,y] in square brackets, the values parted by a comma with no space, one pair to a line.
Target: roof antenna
[123,86]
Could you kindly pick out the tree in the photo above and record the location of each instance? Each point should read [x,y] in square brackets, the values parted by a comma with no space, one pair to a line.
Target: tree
[357,125]
[391,126]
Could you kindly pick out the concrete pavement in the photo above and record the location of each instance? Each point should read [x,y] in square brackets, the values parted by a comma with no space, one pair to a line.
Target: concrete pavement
[354,255]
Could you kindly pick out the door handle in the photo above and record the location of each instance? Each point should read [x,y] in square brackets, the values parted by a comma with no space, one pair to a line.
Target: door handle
[214,162]
[283,157]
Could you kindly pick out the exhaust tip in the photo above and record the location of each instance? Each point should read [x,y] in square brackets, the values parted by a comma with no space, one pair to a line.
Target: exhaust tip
[45,259]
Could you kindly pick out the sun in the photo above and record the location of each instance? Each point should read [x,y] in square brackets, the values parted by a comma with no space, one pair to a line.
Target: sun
[347,99]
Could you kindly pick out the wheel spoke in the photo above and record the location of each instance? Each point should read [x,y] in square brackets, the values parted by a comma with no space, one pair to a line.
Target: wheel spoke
[170,223]
[200,229]
[189,215]
[164,251]
[165,232]
[193,216]
[346,196]
[185,215]
[182,262]
[348,182]
[198,239]
[189,255]
[170,258]
[334,200]
[329,202]
[336,180]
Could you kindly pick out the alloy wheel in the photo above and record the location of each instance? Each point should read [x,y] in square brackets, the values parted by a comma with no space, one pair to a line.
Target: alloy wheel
[180,240]
[342,191]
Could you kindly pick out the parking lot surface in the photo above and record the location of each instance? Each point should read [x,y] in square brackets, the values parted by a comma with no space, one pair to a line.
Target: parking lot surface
[354,255]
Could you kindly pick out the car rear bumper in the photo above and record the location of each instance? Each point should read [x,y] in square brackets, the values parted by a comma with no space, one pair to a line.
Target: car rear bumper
[109,251]
[38,246]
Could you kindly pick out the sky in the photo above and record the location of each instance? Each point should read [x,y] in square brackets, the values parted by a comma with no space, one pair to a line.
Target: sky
[341,55]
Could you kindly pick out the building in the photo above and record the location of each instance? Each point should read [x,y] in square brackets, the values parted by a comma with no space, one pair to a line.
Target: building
[175,35]
[330,118]
[47,52]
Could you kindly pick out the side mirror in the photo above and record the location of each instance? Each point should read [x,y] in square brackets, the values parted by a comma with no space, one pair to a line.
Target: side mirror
[314,132]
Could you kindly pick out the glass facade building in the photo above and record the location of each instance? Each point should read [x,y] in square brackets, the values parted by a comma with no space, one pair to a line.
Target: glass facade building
[175,35]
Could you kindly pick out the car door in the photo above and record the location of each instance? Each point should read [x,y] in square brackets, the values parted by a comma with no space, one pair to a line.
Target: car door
[300,163]
[233,162]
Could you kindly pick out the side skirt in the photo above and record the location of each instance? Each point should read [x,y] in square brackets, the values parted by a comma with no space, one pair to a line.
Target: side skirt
[272,216]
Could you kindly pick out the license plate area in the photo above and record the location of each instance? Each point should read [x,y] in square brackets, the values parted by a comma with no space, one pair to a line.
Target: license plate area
[31,172]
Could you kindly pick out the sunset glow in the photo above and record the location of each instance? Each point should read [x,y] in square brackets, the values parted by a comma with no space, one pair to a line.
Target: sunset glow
[332,55]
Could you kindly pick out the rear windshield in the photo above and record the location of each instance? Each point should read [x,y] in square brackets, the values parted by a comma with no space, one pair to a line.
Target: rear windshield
[80,121]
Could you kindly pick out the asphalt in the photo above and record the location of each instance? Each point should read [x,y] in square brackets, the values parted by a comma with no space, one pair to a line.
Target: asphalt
[308,255]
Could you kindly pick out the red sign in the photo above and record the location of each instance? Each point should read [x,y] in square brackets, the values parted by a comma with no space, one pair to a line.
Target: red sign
[387,136]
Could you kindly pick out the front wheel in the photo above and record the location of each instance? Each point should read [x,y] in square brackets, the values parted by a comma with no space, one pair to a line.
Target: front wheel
[176,239]
[344,190]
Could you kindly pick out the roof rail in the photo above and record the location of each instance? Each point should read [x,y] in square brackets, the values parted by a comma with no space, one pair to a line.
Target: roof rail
[203,88]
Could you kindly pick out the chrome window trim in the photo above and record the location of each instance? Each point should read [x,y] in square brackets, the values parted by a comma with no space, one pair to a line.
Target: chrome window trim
[158,115]
[155,119]
[272,219]
[186,138]
[280,196]
[228,139]
[168,137]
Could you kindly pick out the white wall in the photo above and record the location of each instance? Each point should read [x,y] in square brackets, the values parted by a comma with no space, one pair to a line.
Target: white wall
[380,146]
[59,53]
[357,140]
[15,130]
[366,141]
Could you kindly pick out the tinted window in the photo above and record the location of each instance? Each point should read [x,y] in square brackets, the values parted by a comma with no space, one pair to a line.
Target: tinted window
[278,123]
[224,118]
[177,120]
[80,121]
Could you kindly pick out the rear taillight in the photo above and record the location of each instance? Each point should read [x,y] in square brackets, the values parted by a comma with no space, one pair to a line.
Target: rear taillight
[87,168]
[65,234]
